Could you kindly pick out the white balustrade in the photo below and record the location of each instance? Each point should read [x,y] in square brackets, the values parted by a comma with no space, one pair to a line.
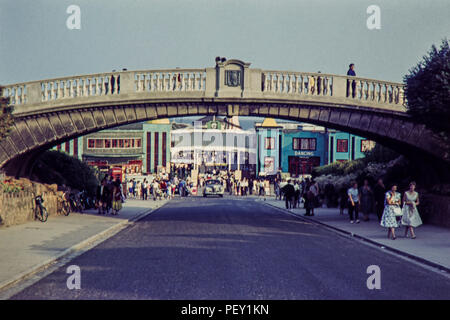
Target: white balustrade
[170,80]
[16,93]
[319,84]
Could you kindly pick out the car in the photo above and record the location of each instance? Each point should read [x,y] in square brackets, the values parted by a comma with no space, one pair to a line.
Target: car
[213,187]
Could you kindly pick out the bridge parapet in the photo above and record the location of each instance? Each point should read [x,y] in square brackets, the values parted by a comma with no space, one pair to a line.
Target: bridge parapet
[318,84]
[232,79]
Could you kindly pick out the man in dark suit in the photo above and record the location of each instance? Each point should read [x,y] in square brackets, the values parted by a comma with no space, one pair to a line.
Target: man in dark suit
[289,192]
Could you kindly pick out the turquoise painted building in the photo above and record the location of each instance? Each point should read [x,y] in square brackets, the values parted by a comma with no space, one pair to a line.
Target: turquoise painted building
[297,148]
[344,146]
[268,147]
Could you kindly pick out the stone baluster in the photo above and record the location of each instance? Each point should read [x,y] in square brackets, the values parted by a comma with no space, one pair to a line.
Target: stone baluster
[156,81]
[92,82]
[167,82]
[138,82]
[200,82]
[16,95]
[86,87]
[102,85]
[295,83]
[51,91]
[147,82]
[283,83]
[64,89]
[278,83]
[79,91]
[60,93]
[186,81]
[96,86]
[272,82]
[191,82]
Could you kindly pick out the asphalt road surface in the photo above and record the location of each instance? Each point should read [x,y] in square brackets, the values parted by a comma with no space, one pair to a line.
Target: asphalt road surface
[229,248]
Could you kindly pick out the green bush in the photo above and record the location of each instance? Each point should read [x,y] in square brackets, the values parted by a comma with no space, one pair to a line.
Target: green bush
[60,168]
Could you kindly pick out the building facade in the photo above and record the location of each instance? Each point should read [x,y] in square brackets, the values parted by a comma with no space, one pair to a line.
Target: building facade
[297,148]
[213,144]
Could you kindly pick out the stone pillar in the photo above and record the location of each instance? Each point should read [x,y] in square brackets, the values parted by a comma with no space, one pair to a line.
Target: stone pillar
[210,87]
[34,92]
[339,87]
[126,82]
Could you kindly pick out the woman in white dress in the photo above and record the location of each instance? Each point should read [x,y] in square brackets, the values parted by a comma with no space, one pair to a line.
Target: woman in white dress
[411,218]
[393,200]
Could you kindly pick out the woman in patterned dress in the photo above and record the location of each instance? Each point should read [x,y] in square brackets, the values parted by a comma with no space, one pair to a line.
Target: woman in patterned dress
[411,218]
[393,200]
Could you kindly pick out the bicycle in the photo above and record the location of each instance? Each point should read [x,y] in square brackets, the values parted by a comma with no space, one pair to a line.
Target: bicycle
[64,205]
[40,212]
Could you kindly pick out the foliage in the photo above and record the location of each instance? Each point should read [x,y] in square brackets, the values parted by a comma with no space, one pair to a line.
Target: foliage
[428,90]
[9,186]
[60,168]
[6,117]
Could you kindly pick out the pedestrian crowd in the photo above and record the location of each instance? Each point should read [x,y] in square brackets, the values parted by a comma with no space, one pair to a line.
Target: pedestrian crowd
[392,208]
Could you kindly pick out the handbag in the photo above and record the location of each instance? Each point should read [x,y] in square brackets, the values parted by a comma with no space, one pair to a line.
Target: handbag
[398,211]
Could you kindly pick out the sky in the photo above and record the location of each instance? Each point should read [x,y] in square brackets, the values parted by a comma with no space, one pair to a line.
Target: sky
[297,35]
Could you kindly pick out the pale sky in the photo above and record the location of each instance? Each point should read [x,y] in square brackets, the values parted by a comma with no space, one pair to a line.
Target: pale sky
[298,35]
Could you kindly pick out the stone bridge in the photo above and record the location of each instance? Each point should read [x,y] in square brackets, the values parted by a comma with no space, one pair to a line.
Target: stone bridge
[49,112]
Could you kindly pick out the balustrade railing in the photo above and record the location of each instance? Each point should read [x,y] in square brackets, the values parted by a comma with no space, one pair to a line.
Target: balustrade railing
[318,84]
[297,83]
[170,80]
[17,93]
[282,83]
[83,86]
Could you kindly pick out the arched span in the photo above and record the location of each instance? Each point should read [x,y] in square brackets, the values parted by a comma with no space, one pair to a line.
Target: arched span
[49,112]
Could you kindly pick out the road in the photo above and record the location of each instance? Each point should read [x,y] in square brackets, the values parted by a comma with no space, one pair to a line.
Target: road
[230,248]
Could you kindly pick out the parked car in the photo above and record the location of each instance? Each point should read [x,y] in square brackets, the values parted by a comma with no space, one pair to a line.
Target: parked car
[213,187]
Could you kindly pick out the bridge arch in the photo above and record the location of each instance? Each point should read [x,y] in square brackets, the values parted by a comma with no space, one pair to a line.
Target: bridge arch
[49,112]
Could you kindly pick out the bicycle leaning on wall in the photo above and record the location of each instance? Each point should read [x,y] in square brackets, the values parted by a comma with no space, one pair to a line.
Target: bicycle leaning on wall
[64,204]
[40,212]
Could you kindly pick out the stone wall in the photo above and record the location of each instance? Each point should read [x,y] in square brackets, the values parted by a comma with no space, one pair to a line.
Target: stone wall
[435,210]
[17,207]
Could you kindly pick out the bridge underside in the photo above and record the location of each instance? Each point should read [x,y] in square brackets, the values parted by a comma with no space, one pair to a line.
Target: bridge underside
[36,133]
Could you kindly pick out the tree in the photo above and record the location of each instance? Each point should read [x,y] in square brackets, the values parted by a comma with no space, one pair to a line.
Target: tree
[428,90]
[6,118]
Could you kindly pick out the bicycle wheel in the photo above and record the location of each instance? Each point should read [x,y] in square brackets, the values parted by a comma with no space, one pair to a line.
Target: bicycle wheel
[66,208]
[42,214]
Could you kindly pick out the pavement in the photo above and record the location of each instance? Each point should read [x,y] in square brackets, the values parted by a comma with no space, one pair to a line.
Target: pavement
[431,247]
[30,247]
[236,249]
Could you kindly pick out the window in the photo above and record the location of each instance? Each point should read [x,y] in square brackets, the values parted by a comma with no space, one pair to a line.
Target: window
[99,143]
[114,143]
[342,145]
[138,143]
[120,143]
[269,143]
[91,143]
[304,144]
[107,143]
